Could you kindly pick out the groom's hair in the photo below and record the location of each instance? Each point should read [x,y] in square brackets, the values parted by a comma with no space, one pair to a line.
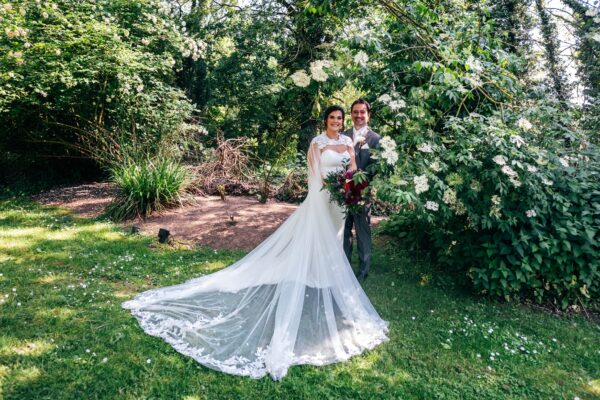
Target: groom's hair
[361,101]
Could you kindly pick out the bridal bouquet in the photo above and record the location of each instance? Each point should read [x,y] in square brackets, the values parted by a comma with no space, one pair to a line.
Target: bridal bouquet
[348,189]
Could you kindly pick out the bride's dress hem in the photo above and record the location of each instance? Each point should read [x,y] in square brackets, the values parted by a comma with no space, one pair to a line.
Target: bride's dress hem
[256,369]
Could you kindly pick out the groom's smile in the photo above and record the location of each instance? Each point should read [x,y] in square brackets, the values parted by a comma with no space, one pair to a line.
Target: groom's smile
[360,115]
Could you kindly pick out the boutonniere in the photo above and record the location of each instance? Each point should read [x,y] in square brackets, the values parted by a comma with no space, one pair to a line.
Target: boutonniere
[359,141]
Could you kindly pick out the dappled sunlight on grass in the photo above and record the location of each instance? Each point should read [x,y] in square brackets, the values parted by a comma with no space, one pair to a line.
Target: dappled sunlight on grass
[16,347]
[50,279]
[26,375]
[23,232]
[593,387]
[61,313]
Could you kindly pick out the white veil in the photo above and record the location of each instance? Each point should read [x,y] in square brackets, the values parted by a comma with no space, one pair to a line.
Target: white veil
[292,300]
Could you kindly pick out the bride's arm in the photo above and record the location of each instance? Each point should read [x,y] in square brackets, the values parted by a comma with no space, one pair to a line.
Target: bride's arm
[353,166]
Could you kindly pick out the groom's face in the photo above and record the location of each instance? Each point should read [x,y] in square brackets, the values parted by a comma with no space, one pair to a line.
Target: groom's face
[360,115]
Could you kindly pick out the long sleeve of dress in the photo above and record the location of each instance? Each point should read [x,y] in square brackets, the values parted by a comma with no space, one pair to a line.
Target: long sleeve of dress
[315,180]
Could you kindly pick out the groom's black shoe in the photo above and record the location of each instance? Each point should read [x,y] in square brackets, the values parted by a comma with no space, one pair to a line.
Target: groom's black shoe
[362,276]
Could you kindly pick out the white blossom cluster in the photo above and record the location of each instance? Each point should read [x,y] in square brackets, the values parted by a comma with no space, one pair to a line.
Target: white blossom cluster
[392,101]
[435,166]
[564,161]
[432,205]
[193,48]
[389,153]
[425,148]
[361,58]
[530,213]
[524,124]
[421,183]
[517,140]
[495,208]
[302,79]
[317,72]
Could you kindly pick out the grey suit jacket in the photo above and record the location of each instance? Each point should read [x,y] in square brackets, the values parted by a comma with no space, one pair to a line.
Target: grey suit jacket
[363,155]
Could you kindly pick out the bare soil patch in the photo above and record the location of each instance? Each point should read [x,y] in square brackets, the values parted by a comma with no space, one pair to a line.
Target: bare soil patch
[239,222]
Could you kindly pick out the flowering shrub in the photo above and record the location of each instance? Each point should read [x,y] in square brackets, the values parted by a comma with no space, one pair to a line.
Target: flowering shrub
[517,219]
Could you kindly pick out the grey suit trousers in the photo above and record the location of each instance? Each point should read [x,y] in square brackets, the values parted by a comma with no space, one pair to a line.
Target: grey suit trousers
[362,224]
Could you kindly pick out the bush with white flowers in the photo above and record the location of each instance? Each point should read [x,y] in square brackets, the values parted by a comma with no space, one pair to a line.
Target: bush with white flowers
[515,218]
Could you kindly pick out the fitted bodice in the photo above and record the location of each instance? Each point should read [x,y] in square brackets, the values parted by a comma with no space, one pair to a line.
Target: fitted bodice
[332,161]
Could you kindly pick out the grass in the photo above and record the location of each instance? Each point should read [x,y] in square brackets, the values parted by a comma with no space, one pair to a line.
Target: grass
[63,334]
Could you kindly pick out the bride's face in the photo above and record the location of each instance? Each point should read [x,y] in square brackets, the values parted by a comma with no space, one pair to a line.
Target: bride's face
[334,121]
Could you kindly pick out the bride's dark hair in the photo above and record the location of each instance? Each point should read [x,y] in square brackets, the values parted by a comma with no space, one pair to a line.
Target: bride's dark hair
[331,109]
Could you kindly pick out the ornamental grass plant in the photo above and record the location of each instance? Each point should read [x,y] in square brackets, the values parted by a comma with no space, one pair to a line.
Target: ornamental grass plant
[146,187]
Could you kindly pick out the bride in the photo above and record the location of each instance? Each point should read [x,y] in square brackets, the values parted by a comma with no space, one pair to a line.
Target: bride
[292,300]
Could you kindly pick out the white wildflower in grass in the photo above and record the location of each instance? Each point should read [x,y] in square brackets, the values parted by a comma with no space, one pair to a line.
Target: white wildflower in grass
[361,58]
[517,140]
[496,200]
[564,162]
[435,166]
[499,159]
[139,88]
[425,148]
[449,197]
[396,105]
[145,42]
[421,183]
[432,205]
[7,7]
[531,168]
[547,181]
[508,171]
[530,213]
[148,361]
[384,98]
[524,124]
[591,12]
[316,71]
[300,78]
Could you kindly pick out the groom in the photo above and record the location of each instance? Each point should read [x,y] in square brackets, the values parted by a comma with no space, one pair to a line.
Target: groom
[364,139]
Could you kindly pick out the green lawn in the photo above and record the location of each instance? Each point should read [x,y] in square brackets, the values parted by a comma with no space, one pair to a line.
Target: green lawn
[63,334]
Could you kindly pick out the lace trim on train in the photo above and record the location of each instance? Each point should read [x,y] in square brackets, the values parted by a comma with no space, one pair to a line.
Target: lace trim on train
[256,368]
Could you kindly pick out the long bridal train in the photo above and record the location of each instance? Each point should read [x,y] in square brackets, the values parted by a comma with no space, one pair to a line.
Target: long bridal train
[292,300]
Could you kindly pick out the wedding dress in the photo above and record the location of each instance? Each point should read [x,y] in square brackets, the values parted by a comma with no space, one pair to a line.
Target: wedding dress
[292,300]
